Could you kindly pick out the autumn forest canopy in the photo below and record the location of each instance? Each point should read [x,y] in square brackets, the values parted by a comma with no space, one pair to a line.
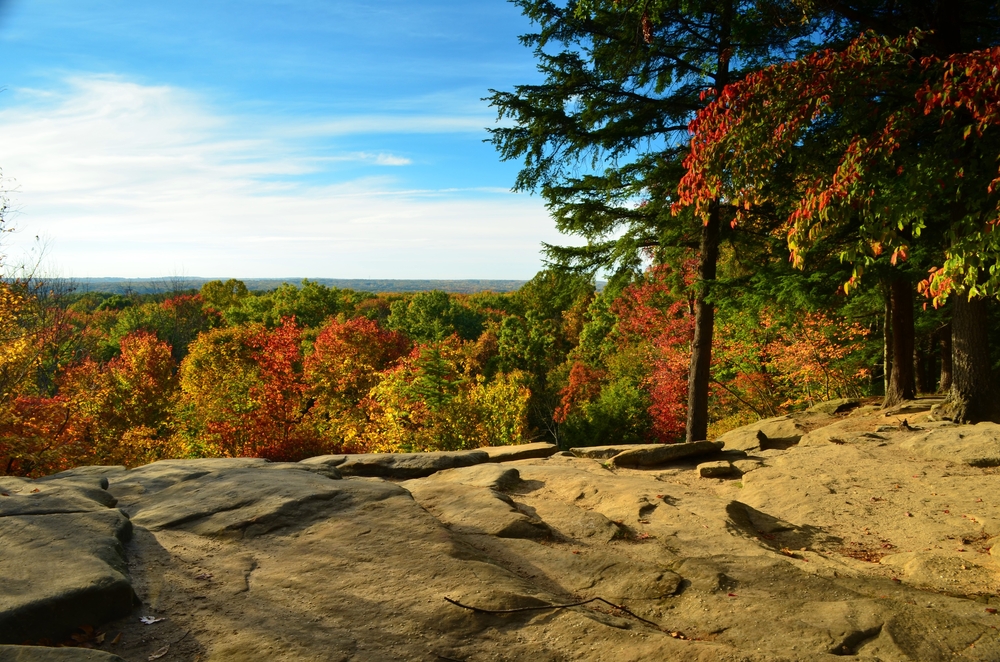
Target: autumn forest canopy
[795,201]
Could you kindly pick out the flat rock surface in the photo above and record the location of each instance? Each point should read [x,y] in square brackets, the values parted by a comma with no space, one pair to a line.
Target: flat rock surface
[865,549]
[976,445]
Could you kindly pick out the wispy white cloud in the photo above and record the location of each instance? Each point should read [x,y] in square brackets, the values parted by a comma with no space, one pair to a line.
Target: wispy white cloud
[144,180]
[395,124]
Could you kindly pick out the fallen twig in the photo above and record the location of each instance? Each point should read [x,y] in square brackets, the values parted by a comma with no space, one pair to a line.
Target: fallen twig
[620,608]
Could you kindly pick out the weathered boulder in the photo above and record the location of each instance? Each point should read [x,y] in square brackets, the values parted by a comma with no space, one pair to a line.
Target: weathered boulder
[574,523]
[720,469]
[601,452]
[768,433]
[399,465]
[748,465]
[28,498]
[851,430]
[492,476]
[837,406]
[651,455]
[520,452]
[476,506]
[61,571]
[99,473]
[136,484]
[976,446]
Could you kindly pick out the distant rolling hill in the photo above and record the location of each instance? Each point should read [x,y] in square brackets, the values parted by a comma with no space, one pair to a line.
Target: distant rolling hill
[163,285]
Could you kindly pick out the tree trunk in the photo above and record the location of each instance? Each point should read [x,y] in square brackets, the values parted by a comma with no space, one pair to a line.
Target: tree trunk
[922,364]
[886,341]
[704,327]
[971,398]
[901,383]
[700,374]
[944,383]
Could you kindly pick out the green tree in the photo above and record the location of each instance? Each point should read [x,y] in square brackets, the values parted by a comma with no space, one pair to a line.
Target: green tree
[223,296]
[433,316]
[603,137]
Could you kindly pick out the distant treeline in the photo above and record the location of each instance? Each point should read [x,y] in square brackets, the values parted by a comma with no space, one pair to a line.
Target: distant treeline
[105,378]
[141,286]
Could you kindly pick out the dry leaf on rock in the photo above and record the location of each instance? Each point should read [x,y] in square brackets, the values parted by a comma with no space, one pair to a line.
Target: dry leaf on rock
[160,653]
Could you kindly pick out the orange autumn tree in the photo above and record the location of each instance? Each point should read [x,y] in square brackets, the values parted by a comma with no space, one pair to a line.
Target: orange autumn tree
[768,364]
[122,410]
[242,394]
[37,432]
[346,362]
[892,141]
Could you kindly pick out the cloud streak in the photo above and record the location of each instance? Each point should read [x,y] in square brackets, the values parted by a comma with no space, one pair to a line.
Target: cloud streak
[146,180]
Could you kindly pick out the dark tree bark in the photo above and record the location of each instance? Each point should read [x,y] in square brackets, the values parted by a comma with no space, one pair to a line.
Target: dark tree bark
[972,394]
[901,382]
[700,374]
[704,327]
[944,344]
[886,341]
[923,364]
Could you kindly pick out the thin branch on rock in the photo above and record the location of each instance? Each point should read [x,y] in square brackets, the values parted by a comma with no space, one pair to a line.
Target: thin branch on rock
[564,606]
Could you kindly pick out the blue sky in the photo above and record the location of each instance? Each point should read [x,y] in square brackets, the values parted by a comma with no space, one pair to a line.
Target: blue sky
[264,138]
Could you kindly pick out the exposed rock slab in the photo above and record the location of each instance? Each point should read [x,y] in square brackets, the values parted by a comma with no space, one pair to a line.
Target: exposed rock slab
[30,498]
[846,431]
[945,573]
[651,455]
[821,551]
[247,502]
[976,446]
[400,465]
[99,472]
[602,452]
[768,433]
[720,469]
[646,455]
[43,654]
[836,406]
[520,452]
[60,571]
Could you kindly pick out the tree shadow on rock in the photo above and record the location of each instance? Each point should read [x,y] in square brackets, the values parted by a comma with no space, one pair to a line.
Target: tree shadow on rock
[773,532]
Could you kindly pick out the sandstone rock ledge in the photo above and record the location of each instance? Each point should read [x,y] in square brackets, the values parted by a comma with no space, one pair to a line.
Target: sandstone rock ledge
[867,546]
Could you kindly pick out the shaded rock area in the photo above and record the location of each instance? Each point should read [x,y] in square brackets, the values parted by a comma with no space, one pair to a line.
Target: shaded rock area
[863,539]
[36,654]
